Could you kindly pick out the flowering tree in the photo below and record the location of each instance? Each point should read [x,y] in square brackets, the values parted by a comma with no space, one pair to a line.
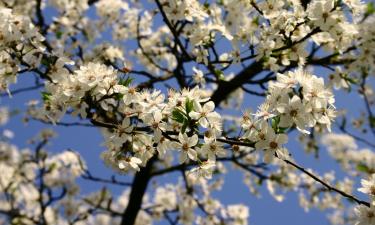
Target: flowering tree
[168,84]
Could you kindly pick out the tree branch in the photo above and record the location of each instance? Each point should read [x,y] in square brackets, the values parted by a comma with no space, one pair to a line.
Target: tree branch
[226,87]
[139,187]
[326,185]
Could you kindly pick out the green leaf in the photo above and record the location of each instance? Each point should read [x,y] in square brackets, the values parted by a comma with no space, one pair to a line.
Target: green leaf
[350,80]
[363,168]
[59,34]
[15,112]
[189,105]
[259,182]
[45,61]
[256,20]
[52,167]
[126,82]
[118,96]
[8,74]
[219,74]
[46,96]
[275,122]
[206,5]
[184,126]
[178,115]
[370,9]
[371,119]
[281,130]
[276,178]
[199,145]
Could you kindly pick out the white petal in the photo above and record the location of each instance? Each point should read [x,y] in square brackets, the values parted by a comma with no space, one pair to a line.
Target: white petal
[195,115]
[285,121]
[209,106]
[134,166]
[203,122]
[121,165]
[268,156]
[197,106]
[183,157]
[295,101]
[281,139]
[281,108]
[157,116]
[182,137]
[193,140]
[136,160]
[261,145]
[192,154]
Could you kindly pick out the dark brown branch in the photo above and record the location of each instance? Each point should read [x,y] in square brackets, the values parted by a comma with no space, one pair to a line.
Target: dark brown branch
[253,92]
[40,17]
[249,169]
[113,180]
[173,31]
[65,124]
[139,38]
[25,89]
[138,190]
[226,87]
[363,140]
[91,2]
[326,185]
[314,31]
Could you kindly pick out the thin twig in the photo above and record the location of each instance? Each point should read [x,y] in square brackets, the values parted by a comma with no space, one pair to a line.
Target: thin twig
[326,185]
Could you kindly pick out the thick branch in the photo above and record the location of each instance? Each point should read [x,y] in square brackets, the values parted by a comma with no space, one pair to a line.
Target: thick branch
[226,87]
[139,187]
[91,2]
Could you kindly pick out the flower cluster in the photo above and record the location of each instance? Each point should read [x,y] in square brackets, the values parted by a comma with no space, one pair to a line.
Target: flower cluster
[343,148]
[301,99]
[20,46]
[69,90]
[33,179]
[29,175]
[172,123]
[64,168]
[296,99]
[366,214]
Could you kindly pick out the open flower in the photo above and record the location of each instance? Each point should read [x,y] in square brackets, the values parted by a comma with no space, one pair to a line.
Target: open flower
[368,186]
[204,114]
[155,120]
[205,170]
[186,146]
[323,15]
[213,149]
[130,162]
[271,143]
[198,77]
[366,215]
[294,112]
